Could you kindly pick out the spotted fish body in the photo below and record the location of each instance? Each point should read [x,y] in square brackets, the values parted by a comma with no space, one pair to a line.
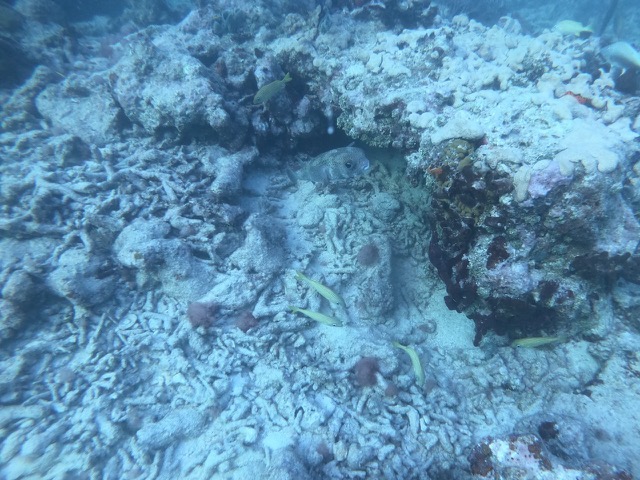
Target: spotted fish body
[335,165]
[622,55]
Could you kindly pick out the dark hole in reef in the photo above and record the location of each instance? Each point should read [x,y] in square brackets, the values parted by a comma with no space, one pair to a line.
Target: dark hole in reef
[513,316]
[201,254]
[548,430]
[628,82]
[14,62]
[325,142]
[547,289]
[368,255]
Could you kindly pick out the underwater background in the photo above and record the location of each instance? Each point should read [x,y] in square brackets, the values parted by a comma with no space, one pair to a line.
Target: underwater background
[319,239]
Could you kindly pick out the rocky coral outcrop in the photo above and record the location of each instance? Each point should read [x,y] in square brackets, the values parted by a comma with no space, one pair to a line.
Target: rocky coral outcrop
[164,88]
[525,266]
[144,248]
[530,229]
[524,456]
[82,106]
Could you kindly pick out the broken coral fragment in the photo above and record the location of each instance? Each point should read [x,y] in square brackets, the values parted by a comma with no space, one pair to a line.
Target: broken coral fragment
[591,157]
[462,125]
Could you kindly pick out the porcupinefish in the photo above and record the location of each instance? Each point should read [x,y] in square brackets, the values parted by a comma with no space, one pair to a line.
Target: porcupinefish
[621,55]
[335,165]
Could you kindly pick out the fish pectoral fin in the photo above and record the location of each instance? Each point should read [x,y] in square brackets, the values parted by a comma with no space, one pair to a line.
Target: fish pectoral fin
[292,176]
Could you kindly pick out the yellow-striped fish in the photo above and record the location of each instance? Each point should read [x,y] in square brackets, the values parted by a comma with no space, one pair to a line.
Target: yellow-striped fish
[571,27]
[326,292]
[533,342]
[415,362]
[270,89]
[317,316]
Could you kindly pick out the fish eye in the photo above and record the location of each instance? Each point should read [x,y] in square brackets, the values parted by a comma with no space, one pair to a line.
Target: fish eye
[348,164]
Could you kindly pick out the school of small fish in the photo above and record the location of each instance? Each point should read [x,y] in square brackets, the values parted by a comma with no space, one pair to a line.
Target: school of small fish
[327,293]
[336,299]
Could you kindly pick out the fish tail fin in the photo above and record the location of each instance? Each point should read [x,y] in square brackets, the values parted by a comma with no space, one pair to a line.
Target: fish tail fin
[287,78]
[586,33]
[293,309]
[292,176]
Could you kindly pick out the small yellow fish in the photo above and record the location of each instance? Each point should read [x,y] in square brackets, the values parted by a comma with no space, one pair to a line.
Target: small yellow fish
[415,362]
[326,292]
[571,27]
[317,316]
[533,342]
[270,89]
